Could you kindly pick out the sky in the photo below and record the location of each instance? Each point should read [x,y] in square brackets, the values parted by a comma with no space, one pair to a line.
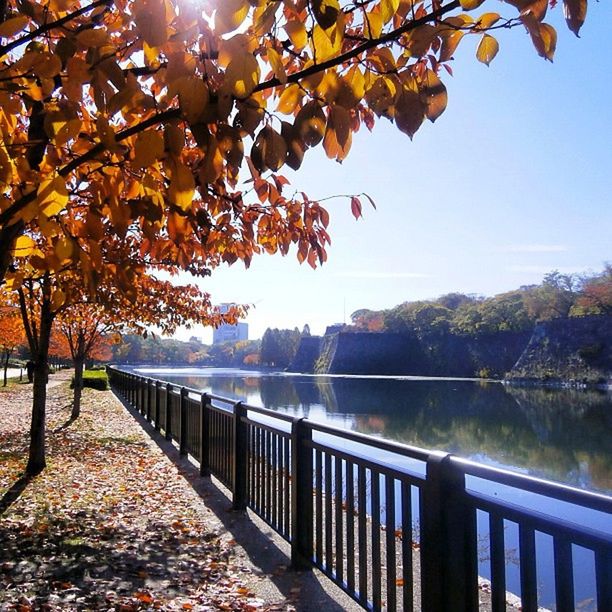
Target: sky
[512,181]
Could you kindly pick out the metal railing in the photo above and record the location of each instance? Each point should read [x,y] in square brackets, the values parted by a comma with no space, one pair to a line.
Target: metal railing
[396,527]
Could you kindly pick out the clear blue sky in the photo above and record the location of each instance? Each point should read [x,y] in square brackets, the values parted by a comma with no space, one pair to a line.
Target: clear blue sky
[512,181]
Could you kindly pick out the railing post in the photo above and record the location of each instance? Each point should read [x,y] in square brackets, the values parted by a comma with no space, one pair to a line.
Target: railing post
[141,388]
[157,406]
[301,495]
[183,423]
[240,457]
[449,573]
[148,394]
[204,433]
[169,424]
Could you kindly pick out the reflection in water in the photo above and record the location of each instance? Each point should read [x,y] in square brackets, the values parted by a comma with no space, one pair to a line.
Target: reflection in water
[559,434]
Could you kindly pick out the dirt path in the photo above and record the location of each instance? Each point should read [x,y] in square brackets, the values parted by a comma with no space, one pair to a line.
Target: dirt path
[113,524]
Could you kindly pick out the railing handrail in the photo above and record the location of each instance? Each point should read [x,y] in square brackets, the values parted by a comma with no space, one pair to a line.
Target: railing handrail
[298,477]
[539,486]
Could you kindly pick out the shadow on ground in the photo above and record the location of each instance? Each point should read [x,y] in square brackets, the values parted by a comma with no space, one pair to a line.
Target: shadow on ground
[267,551]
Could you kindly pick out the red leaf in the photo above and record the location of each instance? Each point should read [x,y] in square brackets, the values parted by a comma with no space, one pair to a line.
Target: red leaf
[356,207]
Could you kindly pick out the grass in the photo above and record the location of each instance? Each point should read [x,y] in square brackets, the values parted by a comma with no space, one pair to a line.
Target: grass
[96,379]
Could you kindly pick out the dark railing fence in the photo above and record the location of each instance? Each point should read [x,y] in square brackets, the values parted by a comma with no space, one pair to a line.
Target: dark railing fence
[394,526]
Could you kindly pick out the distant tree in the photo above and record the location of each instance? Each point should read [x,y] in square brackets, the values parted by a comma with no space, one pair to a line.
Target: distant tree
[279,346]
[596,293]
[368,320]
[12,334]
[554,298]
[306,330]
[84,328]
[455,300]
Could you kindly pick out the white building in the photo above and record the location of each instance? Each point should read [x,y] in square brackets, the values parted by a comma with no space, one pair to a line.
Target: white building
[230,333]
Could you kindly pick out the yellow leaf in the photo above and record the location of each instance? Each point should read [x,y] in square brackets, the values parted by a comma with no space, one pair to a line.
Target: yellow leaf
[543,36]
[150,18]
[435,95]
[575,13]
[193,97]
[289,99]
[388,9]
[325,12]
[487,49]
[297,33]
[149,147]
[470,5]
[450,41]
[409,112]
[57,300]
[92,37]
[174,138]
[374,25]
[338,135]
[277,65]
[321,44]
[230,15]
[63,249]
[486,20]
[13,26]
[52,196]
[269,150]
[24,246]
[381,96]
[242,75]
[63,131]
[182,186]
[6,166]
[47,65]
[310,123]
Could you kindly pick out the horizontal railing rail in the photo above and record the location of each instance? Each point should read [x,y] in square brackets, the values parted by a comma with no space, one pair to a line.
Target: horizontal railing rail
[395,526]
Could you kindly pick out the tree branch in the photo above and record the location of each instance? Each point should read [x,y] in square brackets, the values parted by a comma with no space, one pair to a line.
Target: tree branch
[369,44]
[30,36]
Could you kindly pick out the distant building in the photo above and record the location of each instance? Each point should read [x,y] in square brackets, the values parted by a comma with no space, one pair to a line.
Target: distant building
[230,333]
[195,340]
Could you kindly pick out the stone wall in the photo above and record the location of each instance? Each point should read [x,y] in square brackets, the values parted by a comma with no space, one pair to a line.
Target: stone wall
[577,349]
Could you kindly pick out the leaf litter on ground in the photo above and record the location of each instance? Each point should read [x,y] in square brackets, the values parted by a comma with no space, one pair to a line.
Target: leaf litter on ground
[110,524]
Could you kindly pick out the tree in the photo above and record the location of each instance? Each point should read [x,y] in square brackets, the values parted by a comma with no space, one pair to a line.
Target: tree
[554,298]
[279,346]
[133,117]
[596,293]
[84,328]
[11,333]
[146,302]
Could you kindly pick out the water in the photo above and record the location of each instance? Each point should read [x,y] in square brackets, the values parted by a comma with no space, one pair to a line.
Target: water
[558,434]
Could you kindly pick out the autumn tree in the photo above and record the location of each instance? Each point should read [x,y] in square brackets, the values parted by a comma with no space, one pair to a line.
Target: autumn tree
[145,301]
[596,293]
[11,332]
[84,329]
[169,120]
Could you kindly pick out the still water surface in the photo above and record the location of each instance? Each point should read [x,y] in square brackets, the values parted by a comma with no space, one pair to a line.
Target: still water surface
[558,434]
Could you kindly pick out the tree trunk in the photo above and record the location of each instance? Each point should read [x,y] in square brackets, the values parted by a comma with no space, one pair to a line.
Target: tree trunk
[36,459]
[8,235]
[6,362]
[78,387]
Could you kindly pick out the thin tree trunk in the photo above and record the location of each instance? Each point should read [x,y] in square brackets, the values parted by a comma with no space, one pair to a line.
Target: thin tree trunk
[36,459]
[78,388]
[6,362]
